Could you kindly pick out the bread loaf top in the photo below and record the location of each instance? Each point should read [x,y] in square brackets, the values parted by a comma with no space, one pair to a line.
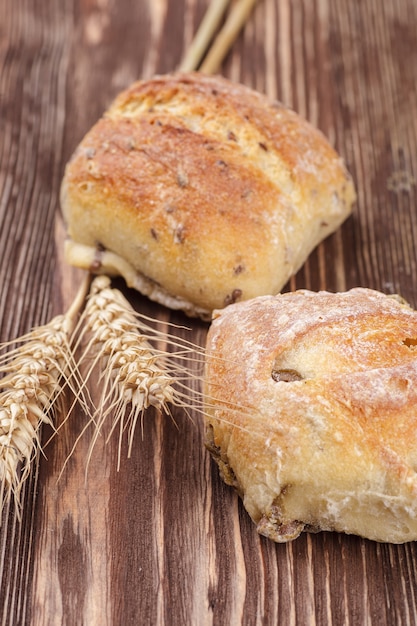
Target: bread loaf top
[202,191]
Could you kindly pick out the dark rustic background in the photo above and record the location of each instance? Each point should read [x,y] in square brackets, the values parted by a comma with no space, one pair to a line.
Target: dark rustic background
[163,541]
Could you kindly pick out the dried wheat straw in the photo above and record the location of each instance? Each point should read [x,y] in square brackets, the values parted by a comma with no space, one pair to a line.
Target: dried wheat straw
[225,38]
[205,32]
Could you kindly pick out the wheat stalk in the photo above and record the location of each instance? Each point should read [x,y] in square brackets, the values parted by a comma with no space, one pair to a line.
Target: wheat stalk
[34,375]
[204,34]
[215,54]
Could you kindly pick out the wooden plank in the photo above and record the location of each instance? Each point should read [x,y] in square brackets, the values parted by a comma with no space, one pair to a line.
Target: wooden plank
[163,540]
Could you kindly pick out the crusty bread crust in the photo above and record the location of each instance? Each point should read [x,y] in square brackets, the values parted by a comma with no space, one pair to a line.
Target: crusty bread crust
[205,188]
[312,404]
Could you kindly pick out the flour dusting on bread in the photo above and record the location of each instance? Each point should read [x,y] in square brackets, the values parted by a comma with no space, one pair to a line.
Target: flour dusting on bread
[328,438]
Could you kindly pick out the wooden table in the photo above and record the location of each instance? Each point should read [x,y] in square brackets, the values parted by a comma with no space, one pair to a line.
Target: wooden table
[163,540]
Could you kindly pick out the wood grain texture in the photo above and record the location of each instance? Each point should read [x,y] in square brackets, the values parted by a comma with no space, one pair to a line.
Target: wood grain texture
[163,541]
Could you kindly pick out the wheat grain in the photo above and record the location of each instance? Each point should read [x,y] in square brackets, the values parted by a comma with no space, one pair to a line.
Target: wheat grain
[34,376]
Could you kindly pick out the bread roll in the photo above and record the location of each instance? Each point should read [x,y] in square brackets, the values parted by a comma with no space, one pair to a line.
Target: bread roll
[201,192]
[312,412]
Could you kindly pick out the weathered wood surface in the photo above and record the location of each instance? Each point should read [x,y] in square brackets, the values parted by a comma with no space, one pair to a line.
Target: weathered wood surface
[163,541]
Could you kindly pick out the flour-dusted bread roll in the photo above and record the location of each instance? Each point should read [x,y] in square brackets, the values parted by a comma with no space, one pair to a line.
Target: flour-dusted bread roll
[201,192]
[312,403]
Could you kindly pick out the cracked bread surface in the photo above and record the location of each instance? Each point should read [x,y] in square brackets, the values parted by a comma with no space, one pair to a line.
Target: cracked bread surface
[205,189]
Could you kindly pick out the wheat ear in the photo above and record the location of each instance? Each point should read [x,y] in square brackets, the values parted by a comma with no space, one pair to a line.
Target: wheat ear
[34,376]
[134,374]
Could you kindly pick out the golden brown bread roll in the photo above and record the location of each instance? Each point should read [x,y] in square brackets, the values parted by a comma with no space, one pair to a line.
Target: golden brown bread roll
[312,404]
[201,192]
